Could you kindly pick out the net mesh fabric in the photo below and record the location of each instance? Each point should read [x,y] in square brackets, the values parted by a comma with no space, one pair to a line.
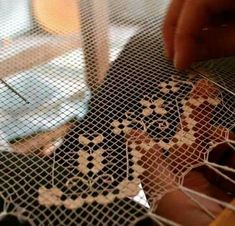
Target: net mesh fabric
[79,148]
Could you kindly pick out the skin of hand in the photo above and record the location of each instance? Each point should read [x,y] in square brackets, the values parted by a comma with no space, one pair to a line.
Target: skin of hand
[159,171]
[199,29]
[175,205]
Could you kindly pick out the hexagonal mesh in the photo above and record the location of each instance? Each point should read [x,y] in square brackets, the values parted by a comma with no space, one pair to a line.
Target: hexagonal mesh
[96,125]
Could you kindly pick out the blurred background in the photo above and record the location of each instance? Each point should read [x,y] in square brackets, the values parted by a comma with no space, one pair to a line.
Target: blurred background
[53,56]
[43,82]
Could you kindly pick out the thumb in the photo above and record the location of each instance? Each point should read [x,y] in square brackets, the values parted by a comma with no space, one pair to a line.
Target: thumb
[157,178]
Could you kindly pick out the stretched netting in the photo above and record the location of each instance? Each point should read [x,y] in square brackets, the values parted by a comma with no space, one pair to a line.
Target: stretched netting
[96,125]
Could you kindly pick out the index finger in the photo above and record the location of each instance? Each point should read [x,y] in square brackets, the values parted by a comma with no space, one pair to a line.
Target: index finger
[170,24]
[194,16]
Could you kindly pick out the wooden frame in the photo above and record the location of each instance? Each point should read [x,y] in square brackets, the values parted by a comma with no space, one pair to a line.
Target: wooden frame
[94,32]
[94,29]
[40,53]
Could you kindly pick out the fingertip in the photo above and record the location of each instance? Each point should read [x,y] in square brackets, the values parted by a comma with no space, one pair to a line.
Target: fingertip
[181,61]
[185,51]
[168,44]
[168,54]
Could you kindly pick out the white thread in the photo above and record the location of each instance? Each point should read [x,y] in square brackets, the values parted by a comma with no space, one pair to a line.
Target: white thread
[226,168]
[222,203]
[217,84]
[230,145]
[221,174]
[163,219]
[200,205]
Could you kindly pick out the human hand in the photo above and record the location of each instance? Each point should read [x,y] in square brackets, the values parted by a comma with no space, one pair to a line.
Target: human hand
[162,175]
[179,207]
[199,29]
[175,204]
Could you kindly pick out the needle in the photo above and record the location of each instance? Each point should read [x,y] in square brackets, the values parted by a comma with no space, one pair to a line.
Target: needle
[13,90]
